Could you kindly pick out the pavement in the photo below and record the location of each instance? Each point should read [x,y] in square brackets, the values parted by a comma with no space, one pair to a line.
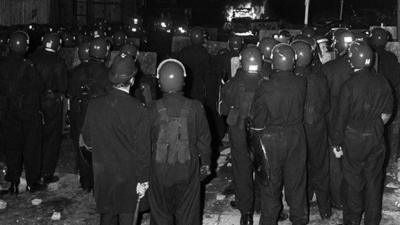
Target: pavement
[77,207]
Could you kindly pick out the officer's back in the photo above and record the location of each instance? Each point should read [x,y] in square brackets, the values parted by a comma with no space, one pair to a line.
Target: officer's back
[285,94]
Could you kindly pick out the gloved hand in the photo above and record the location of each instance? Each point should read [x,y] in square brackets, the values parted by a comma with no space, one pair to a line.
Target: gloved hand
[204,171]
[338,151]
[141,189]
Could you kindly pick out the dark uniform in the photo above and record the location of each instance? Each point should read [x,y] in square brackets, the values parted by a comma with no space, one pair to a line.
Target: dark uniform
[20,91]
[267,69]
[389,67]
[359,130]
[278,108]
[53,72]
[179,200]
[315,111]
[117,127]
[336,72]
[237,95]
[197,62]
[89,80]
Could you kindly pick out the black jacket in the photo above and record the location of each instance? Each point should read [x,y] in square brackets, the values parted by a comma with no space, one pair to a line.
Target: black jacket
[117,127]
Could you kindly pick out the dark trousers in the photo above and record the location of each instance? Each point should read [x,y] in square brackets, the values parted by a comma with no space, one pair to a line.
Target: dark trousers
[178,204]
[318,165]
[84,167]
[116,219]
[22,135]
[335,170]
[394,139]
[286,148]
[364,154]
[52,137]
[242,169]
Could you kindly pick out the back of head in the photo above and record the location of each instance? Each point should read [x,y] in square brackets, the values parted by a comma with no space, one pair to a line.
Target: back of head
[51,42]
[98,48]
[283,57]
[379,37]
[360,55]
[303,53]
[171,74]
[19,42]
[342,38]
[122,70]
[266,45]
[197,36]
[251,59]
[235,43]
[83,51]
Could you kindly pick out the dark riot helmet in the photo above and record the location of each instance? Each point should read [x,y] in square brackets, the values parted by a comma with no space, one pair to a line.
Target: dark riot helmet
[360,55]
[51,42]
[266,45]
[235,43]
[283,57]
[251,59]
[342,38]
[197,36]
[379,37]
[83,51]
[171,74]
[303,52]
[19,42]
[99,48]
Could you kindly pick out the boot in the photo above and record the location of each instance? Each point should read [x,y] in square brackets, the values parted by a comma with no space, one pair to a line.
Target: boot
[13,189]
[246,219]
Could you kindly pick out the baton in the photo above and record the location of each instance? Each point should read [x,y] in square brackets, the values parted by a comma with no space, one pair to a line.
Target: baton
[136,215]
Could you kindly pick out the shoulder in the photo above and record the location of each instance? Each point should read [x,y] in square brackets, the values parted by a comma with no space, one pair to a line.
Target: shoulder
[196,105]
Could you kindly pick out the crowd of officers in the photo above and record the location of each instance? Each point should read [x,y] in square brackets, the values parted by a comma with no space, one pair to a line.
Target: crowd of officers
[295,122]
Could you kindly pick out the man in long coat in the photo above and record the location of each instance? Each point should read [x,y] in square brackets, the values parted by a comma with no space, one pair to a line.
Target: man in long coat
[116,128]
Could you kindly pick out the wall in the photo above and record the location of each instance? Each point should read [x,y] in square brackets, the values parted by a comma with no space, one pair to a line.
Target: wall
[24,11]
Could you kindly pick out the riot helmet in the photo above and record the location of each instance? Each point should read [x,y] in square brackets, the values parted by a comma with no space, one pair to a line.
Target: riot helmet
[360,55]
[303,53]
[171,74]
[283,57]
[251,59]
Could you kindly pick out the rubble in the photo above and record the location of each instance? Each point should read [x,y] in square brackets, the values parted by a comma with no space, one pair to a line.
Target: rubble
[36,201]
[3,204]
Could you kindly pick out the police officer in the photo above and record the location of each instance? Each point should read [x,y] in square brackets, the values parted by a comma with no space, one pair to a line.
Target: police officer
[81,89]
[53,71]
[337,72]
[277,118]
[175,182]
[96,68]
[365,105]
[266,45]
[3,44]
[197,61]
[117,130]
[20,114]
[389,67]
[68,39]
[316,109]
[237,96]
[119,40]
